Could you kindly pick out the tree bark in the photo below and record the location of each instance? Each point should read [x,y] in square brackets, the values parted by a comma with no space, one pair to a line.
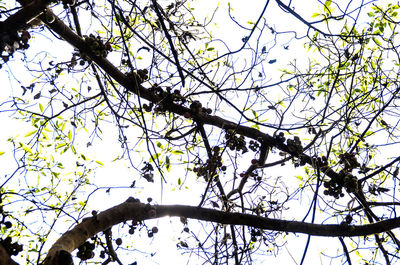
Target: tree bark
[140,212]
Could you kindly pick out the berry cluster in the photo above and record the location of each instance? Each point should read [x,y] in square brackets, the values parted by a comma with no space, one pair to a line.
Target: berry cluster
[148,107]
[103,254]
[139,76]
[166,98]
[135,224]
[152,231]
[294,145]
[350,181]
[280,137]
[211,164]
[173,96]
[11,41]
[96,46]
[333,189]
[254,145]
[322,162]
[12,249]
[234,142]
[85,251]
[254,234]
[7,224]
[196,108]
[3,222]
[349,161]
[132,227]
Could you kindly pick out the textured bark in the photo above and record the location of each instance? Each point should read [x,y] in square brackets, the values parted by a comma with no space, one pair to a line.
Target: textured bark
[22,17]
[140,212]
[5,259]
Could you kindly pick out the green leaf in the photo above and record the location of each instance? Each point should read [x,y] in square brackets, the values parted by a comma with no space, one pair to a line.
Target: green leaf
[167,163]
[327,5]
[99,162]
[73,149]
[377,42]
[1,153]
[154,157]
[30,133]
[60,145]
[27,149]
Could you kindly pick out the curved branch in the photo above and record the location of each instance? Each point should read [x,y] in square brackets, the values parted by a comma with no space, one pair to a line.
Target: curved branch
[134,210]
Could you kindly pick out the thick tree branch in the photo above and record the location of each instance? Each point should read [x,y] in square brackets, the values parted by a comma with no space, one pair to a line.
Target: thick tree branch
[133,210]
[20,19]
[5,258]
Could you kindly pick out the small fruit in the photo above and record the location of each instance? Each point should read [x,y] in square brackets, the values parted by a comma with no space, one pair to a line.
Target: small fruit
[187,115]
[154,230]
[349,219]
[8,224]
[254,161]
[118,241]
[108,46]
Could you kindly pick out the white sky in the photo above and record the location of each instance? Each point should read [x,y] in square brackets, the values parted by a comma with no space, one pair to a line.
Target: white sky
[170,230]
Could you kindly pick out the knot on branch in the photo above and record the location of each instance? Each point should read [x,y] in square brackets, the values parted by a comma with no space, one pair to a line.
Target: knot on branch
[150,211]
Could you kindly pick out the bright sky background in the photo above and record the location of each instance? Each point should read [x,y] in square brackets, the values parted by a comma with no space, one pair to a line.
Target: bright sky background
[169,230]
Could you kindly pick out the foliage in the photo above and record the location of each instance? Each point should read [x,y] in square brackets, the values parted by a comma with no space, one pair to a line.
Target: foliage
[159,101]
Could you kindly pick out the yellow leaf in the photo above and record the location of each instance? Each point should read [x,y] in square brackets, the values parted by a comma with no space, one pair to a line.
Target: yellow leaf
[30,133]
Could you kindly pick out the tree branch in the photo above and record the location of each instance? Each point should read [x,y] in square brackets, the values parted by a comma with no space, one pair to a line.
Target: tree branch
[5,258]
[134,210]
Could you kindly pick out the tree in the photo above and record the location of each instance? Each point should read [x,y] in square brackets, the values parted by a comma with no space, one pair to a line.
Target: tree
[263,154]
